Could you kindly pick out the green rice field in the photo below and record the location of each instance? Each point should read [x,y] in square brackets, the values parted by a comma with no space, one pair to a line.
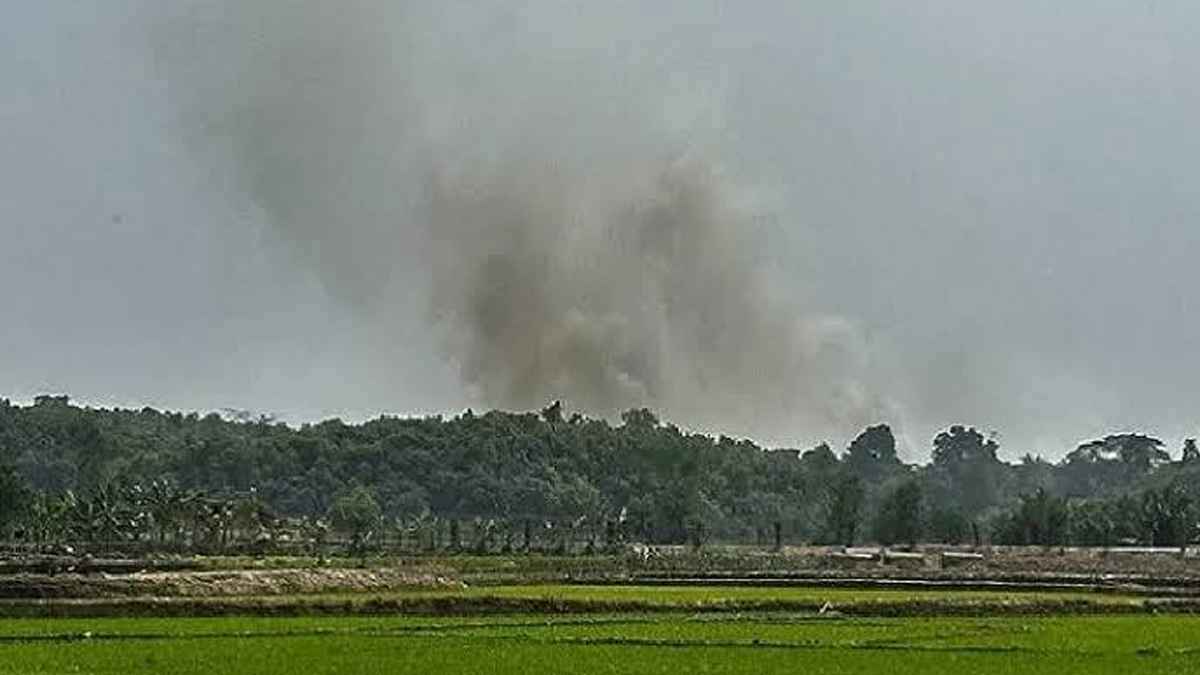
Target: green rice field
[674,643]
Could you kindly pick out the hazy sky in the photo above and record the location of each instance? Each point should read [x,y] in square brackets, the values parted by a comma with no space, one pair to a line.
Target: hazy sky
[212,203]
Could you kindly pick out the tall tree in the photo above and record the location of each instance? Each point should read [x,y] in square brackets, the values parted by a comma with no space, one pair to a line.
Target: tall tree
[1112,464]
[15,500]
[899,519]
[843,506]
[966,470]
[1040,519]
[872,455]
[356,513]
[1191,455]
[1169,515]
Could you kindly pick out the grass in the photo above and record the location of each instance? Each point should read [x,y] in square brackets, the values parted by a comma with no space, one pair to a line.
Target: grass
[586,629]
[659,643]
[507,622]
[569,599]
[685,595]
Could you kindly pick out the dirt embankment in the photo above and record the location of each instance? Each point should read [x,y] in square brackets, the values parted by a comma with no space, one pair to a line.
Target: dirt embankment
[929,562]
[1142,573]
[218,583]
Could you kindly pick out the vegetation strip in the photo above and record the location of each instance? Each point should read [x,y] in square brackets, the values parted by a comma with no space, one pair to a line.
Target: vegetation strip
[122,482]
[902,644]
[446,606]
[906,583]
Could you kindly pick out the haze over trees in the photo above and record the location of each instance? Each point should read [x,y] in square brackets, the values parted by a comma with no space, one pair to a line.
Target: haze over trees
[83,474]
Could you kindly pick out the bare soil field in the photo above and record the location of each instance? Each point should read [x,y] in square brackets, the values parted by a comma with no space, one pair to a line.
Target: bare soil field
[192,584]
[1145,573]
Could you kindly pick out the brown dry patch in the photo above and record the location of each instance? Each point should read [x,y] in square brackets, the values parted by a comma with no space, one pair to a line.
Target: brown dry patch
[221,583]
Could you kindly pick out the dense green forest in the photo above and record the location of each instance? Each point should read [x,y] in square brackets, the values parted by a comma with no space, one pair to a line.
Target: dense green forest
[70,473]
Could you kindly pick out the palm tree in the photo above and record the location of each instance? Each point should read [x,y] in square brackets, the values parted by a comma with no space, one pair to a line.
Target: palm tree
[50,518]
[168,508]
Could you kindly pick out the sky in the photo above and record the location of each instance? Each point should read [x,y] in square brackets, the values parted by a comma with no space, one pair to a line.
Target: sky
[825,215]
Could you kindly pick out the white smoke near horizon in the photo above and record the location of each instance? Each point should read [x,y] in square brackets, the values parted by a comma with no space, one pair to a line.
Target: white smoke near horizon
[560,204]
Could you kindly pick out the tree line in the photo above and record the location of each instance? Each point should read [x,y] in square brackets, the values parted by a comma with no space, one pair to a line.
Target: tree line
[503,481]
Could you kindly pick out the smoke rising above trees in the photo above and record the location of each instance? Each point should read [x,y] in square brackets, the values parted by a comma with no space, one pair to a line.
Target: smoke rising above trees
[570,239]
[238,199]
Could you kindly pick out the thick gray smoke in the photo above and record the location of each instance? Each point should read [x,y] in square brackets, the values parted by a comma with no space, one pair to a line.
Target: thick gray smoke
[560,206]
[769,218]
[637,289]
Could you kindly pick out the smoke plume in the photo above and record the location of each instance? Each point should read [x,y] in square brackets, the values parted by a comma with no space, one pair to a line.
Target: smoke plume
[558,202]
